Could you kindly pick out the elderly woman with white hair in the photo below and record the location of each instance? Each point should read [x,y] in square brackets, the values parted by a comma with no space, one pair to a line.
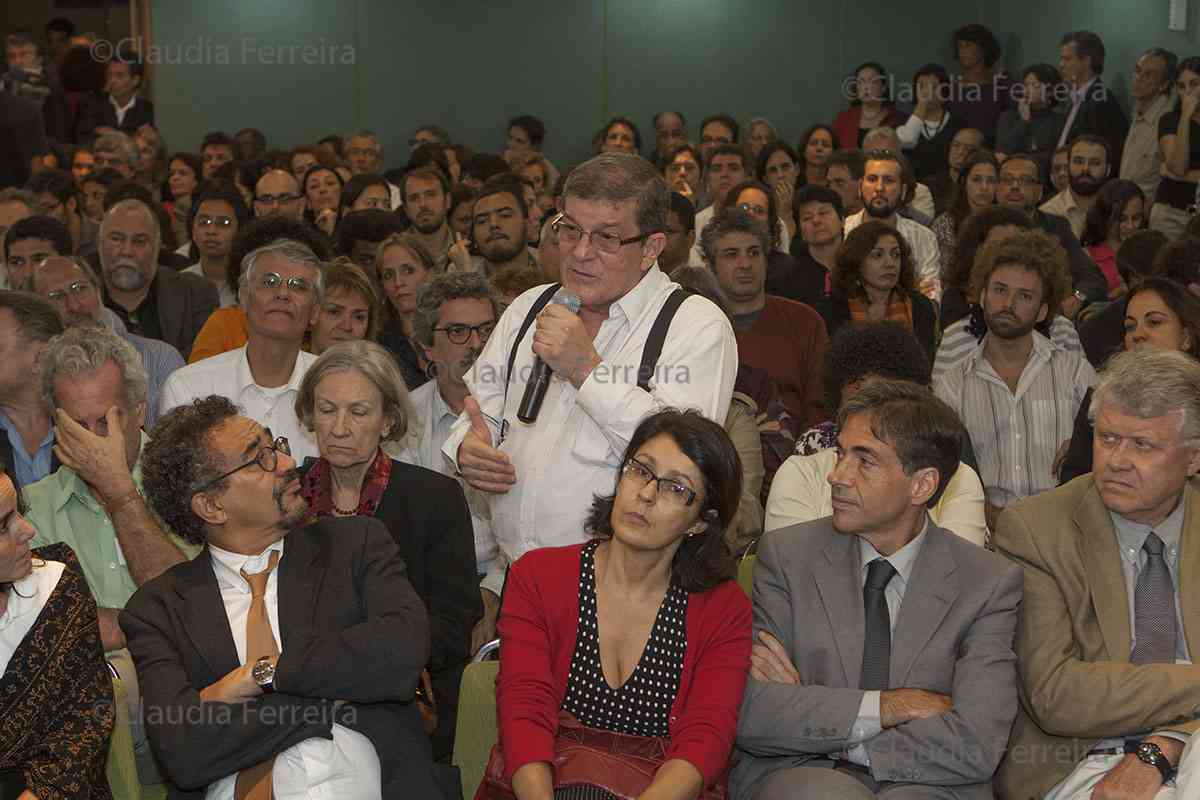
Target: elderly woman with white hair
[354,402]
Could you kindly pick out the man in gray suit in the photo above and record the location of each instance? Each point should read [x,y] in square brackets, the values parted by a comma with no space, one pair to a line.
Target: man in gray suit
[883,661]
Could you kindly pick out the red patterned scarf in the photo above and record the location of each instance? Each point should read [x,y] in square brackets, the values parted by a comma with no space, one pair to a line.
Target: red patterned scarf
[317,487]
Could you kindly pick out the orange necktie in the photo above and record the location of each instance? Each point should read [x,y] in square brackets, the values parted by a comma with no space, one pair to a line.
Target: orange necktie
[254,783]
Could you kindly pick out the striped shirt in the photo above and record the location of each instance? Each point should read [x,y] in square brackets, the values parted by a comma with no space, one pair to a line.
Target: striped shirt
[958,342]
[1017,434]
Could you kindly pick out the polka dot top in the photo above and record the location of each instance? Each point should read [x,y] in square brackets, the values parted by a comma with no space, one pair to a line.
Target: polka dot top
[642,705]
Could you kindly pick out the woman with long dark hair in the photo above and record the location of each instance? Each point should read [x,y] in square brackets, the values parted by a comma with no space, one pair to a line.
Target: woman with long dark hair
[975,190]
[1118,212]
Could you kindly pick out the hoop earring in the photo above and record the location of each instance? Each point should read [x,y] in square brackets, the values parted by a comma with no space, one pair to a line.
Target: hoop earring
[431,370]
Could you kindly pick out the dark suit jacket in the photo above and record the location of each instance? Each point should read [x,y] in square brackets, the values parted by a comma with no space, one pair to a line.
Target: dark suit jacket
[184,303]
[1077,683]
[1101,115]
[352,629]
[97,111]
[427,516]
[1085,275]
[954,636]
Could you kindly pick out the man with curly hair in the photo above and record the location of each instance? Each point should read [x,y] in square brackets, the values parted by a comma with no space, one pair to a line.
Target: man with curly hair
[1017,392]
[280,656]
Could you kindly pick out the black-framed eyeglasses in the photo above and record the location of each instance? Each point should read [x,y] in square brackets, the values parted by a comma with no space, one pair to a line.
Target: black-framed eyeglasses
[76,289]
[461,334]
[272,199]
[604,241]
[267,460]
[204,220]
[674,491]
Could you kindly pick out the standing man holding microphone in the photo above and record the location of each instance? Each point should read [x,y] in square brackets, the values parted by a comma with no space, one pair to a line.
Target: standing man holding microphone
[541,475]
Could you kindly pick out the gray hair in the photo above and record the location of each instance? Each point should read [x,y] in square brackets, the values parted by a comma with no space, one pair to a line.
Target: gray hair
[731,220]
[617,177]
[883,130]
[441,289]
[14,195]
[761,121]
[372,362]
[84,351]
[295,252]
[1170,64]
[363,133]
[1152,383]
[117,142]
[127,204]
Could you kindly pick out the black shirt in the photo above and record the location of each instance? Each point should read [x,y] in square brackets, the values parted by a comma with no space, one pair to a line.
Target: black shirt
[798,276]
[143,320]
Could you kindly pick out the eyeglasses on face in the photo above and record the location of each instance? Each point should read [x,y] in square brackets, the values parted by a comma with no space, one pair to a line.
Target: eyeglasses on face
[603,241]
[672,490]
[205,221]
[267,460]
[461,334]
[273,280]
[76,289]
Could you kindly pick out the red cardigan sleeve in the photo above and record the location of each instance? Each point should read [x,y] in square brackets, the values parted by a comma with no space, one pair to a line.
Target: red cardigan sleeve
[717,663]
[537,626]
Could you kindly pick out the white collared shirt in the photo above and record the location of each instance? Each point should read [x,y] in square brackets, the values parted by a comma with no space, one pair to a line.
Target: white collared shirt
[423,447]
[228,374]
[1065,205]
[122,110]
[1017,434]
[225,296]
[26,599]
[574,449]
[927,260]
[346,767]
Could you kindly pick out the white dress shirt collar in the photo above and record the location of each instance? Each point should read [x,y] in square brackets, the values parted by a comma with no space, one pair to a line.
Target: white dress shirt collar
[903,560]
[245,378]
[228,566]
[637,300]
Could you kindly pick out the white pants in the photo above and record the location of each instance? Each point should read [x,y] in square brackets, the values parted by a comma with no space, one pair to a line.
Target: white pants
[1080,783]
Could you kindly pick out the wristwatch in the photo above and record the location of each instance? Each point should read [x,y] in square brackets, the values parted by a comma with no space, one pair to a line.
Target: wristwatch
[264,675]
[1152,754]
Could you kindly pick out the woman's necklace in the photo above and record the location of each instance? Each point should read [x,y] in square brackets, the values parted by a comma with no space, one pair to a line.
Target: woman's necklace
[341,512]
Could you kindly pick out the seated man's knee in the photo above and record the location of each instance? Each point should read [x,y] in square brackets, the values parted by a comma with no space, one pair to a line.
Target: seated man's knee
[811,783]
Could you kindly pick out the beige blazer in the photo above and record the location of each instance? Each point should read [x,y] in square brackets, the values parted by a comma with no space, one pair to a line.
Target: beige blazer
[1073,639]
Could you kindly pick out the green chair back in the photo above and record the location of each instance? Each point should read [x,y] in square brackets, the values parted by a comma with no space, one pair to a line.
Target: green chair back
[476,730]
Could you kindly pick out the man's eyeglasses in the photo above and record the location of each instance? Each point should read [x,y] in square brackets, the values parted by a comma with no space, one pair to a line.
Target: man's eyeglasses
[461,334]
[205,221]
[273,280]
[273,199]
[267,460]
[674,491]
[1018,180]
[603,241]
[76,289]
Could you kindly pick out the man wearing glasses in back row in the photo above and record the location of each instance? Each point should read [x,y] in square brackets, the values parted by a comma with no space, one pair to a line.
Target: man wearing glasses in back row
[540,477]
[280,291]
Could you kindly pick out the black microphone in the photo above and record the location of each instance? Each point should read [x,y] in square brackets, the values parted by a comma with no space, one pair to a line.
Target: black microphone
[539,382]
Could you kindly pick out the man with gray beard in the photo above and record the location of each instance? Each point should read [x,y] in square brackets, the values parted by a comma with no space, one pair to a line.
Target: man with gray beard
[455,314]
[151,302]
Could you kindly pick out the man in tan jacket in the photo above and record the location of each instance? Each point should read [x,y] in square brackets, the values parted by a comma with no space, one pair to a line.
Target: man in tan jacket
[1109,694]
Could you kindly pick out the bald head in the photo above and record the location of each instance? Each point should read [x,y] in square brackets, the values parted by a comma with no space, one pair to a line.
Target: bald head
[70,287]
[277,193]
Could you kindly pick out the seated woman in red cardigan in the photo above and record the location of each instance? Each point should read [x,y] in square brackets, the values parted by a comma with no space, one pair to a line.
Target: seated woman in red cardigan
[641,631]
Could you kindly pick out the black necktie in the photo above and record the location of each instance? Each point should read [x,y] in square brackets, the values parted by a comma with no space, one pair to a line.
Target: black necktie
[877,644]
[1154,608]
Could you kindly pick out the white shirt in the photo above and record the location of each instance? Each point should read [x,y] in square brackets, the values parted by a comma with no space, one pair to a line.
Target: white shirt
[801,492]
[122,110]
[926,255]
[573,451]
[1017,434]
[26,599]
[696,258]
[346,767]
[923,201]
[423,447]
[225,295]
[914,129]
[228,374]
[1065,205]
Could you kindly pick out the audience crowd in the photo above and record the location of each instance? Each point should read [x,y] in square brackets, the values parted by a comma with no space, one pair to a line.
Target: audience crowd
[291,437]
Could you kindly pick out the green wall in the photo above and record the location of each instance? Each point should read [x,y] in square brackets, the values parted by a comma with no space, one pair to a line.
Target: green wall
[469,66]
